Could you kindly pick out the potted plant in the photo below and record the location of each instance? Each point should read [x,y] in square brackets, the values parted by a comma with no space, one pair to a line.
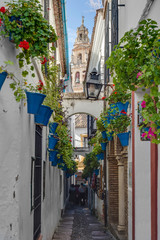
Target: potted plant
[90,164]
[119,127]
[127,64]
[23,21]
[43,115]
[64,145]
[4,72]
[120,98]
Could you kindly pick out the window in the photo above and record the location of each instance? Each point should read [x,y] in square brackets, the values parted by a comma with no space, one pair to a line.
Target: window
[80,36]
[77,77]
[79,58]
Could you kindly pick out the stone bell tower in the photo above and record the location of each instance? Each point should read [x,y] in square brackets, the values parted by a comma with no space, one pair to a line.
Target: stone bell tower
[79,58]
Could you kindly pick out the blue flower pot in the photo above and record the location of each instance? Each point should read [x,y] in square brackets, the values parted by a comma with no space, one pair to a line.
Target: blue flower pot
[100,156]
[47,117]
[34,101]
[17,19]
[124,138]
[96,171]
[113,108]
[52,127]
[103,146]
[52,142]
[3,76]
[53,158]
[122,106]
[104,135]
[110,136]
[43,115]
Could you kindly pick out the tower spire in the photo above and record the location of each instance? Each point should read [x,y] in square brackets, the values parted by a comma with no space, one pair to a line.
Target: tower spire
[82,20]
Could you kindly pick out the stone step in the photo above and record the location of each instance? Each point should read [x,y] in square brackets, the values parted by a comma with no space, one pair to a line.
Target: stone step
[66,222]
[64,229]
[100,238]
[98,233]
[68,226]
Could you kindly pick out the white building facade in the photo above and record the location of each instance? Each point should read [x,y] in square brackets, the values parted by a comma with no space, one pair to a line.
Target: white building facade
[24,181]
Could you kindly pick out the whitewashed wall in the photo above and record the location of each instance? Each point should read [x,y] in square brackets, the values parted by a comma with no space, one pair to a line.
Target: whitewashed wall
[128,18]
[142,181]
[17,146]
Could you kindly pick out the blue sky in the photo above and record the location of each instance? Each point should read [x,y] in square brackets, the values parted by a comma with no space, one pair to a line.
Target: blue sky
[75,9]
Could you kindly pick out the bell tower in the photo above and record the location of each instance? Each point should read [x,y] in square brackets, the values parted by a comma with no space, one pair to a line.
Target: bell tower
[79,57]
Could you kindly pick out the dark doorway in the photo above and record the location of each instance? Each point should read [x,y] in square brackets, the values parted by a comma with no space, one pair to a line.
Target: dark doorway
[37,182]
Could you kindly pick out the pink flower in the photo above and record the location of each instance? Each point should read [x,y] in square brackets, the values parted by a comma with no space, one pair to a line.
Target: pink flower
[139,74]
[151,133]
[143,104]
[143,135]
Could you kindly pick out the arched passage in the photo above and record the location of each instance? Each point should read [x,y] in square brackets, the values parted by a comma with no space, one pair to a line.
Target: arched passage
[74,103]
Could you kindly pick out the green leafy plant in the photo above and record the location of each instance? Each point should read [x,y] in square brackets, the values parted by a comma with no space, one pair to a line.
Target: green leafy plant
[90,163]
[19,88]
[119,124]
[64,145]
[119,95]
[24,22]
[127,62]
[137,64]
[100,125]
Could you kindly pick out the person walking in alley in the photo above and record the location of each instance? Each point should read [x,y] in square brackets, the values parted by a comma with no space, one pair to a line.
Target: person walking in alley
[72,192]
[82,191]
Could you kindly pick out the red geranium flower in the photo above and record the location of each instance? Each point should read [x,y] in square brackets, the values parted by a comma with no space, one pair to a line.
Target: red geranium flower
[2,9]
[103,98]
[123,112]
[115,93]
[0,21]
[44,60]
[40,86]
[24,44]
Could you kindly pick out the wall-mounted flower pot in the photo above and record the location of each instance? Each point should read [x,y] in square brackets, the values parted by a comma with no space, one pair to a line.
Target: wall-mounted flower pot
[103,146]
[124,138]
[3,76]
[53,158]
[100,156]
[122,106]
[34,101]
[113,108]
[52,127]
[63,167]
[104,135]
[96,171]
[110,136]
[52,141]
[43,115]
[19,24]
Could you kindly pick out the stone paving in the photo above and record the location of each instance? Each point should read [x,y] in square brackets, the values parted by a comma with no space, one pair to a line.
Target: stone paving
[79,224]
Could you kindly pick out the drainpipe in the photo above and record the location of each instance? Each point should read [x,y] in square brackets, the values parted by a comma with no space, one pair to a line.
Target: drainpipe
[65,37]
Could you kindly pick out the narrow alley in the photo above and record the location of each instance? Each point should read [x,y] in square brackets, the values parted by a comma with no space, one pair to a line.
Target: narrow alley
[78,224]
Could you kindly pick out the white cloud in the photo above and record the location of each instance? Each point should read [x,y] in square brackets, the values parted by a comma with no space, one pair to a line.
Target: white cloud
[95,4]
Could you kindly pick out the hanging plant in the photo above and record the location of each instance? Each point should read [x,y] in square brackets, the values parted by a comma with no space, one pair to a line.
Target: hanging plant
[118,95]
[128,61]
[23,22]
[64,145]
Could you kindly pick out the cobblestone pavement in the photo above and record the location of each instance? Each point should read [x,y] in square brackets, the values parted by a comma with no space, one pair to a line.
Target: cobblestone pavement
[79,224]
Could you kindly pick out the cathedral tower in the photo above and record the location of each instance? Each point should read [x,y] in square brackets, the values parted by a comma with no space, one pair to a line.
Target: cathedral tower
[79,58]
